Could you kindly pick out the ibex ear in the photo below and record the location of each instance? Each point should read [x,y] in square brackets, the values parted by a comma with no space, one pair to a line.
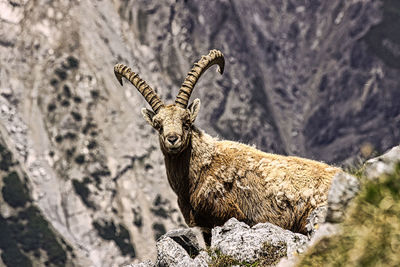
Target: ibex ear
[194,109]
[148,115]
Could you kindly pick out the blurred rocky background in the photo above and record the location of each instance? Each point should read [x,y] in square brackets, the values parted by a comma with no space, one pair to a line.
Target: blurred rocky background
[82,178]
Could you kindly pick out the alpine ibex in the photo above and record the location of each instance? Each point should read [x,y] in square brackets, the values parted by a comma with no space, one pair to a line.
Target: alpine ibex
[216,180]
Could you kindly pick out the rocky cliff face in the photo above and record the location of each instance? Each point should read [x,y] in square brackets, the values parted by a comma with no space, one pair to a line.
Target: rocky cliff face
[311,78]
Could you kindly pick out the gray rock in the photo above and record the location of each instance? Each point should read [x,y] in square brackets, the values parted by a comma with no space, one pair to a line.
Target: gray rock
[178,248]
[202,259]
[245,243]
[316,218]
[187,239]
[382,164]
[343,189]
[320,231]
[324,230]
[171,253]
[147,263]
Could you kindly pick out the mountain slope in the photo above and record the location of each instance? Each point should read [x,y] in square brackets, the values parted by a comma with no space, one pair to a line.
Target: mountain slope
[313,78]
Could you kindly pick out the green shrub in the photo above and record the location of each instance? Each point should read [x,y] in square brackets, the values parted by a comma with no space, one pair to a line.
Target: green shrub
[71,63]
[11,255]
[76,115]
[218,259]
[121,237]
[371,232]
[92,144]
[38,235]
[159,230]
[51,107]
[83,191]
[29,232]
[14,191]
[80,159]
[6,160]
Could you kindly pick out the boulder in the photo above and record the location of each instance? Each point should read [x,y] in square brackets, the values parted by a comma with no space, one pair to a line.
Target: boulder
[382,164]
[180,248]
[265,243]
[187,239]
[250,244]
[343,189]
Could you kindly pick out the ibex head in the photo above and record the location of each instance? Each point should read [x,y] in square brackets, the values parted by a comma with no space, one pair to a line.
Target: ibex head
[174,122]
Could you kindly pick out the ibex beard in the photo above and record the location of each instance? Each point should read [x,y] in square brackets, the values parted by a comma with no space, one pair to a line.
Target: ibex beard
[216,180]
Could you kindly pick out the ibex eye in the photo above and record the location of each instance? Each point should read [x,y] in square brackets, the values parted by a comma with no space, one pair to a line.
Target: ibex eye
[157,126]
[186,125]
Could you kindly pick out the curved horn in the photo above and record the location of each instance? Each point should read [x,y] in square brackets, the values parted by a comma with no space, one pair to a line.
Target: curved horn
[120,70]
[213,57]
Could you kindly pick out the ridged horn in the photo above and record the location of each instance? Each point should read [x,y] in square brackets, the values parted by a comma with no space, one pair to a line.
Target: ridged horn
[121,70]
[213,57]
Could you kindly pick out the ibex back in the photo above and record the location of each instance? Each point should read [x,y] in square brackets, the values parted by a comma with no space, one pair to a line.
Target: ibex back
[217,180]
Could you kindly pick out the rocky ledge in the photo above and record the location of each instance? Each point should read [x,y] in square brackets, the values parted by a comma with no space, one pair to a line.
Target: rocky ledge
[237,244]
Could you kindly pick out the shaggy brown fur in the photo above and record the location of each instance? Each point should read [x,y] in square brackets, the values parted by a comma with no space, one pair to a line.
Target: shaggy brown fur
[217,180]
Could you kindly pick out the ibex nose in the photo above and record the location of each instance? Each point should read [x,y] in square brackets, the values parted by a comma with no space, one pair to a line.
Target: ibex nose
[172,139]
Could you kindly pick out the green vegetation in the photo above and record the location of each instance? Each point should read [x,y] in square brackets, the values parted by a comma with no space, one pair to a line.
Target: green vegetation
[76,115]
[51,107]
[36,235]
[371,231]
[270,255]
[80,159]
[95,94]
[90,125]
[67,91]
[14,191]
[92,144]
[77,99]
[121,237]
[70,152]
[356,170]
[54,82]
[159,210]
[29,233]
[70,63]
[71,136]
[26,238]
[58,138]
[11,254]
[96,175]
[137,218]
[5,159]
[62,75]
[159,230]
[83,191]
[65,103]
[218,259]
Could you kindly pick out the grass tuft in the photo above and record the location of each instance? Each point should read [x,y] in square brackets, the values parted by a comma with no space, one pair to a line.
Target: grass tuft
[371,232]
